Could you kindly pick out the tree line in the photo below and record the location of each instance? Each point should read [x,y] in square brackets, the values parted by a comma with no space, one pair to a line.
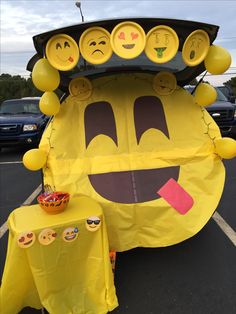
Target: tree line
[17,87]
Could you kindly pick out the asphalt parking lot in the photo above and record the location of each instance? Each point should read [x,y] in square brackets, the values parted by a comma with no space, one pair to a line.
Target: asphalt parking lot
[197,276]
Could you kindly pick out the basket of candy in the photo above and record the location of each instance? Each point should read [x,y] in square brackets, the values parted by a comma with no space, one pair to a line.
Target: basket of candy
[53,202]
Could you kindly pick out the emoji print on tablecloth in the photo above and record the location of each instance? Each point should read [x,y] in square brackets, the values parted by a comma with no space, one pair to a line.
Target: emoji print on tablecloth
[95,45]
[62,52]
[162,44]
[47,236]
[93,223]
[128,40]
[70,234]
[26,239]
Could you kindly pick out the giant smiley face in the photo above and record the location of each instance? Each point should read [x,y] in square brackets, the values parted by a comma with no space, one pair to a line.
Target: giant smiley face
[148,159]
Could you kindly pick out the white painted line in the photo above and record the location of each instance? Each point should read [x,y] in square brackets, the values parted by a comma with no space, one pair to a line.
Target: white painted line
[3,229]
[10,162]
[28,201]
[228,231]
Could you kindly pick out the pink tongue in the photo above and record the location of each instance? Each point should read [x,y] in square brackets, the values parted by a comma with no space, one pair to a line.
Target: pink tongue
[71,59]
[176,196]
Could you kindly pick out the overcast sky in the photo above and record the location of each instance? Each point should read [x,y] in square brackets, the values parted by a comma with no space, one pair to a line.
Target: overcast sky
[20,20]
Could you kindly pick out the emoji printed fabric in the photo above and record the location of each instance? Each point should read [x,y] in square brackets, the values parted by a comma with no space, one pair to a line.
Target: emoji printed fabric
[142,148]
[65,266]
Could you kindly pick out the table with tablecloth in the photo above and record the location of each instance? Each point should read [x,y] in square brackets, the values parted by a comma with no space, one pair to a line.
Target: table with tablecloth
[57,261]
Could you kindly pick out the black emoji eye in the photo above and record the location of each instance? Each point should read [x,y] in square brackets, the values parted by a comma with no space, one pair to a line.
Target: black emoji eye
[149,113]
[102,42]
[93,43]
[99,119]
[58,45]
[66,44]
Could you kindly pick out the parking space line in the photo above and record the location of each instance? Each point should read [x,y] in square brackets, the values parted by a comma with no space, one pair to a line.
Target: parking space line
[28,201]
[10,162]
[228,231]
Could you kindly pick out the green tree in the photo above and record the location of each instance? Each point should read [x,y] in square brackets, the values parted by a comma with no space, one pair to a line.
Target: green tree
[232,84]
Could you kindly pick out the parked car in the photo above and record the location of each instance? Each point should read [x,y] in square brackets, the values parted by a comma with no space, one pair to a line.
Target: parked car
[227,91]
[21,122]
[223,112]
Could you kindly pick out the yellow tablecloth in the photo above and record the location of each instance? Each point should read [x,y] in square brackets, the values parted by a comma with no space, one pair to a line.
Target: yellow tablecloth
[64,277]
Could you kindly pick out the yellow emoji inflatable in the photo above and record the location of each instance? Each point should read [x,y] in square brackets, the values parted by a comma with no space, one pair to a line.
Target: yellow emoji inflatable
[146,156]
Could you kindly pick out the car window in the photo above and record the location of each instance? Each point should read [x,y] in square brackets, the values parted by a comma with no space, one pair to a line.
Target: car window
[116,63]
[19,106]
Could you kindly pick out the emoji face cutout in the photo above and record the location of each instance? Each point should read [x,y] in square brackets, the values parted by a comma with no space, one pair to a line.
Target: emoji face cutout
[26,239]
[162,44]
[93,223]
[195,48]
[80,87]
[47,236]
[62,52]
[164,83]
[128,40]
[70,234]
[95,45]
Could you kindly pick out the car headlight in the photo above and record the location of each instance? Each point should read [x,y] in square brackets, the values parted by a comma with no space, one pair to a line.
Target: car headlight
[29,127]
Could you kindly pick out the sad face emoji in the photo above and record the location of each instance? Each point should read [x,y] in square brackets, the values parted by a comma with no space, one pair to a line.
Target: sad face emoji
[95,45]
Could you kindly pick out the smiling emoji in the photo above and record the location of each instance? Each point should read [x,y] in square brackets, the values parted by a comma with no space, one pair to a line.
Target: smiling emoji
[95,45]
[164,83]
[162,44]
[93,223]
[128,40]
[70,234]
[144,154]
[26,239]
[62,52]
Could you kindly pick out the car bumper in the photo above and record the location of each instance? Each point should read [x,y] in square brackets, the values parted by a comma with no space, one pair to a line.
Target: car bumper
[20,140]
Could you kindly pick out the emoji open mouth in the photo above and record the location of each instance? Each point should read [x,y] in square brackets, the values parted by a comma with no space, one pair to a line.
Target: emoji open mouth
[131,187]
[70,237]
[192,54]
[128,46]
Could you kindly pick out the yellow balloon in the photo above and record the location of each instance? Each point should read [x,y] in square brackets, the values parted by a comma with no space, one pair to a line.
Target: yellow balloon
[218,60]
[34,159]
[225,147]
[44,76]
[205,94]
[49,103]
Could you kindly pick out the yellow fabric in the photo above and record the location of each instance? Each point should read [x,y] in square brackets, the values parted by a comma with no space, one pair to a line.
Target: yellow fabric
[190,146]
[62,277]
